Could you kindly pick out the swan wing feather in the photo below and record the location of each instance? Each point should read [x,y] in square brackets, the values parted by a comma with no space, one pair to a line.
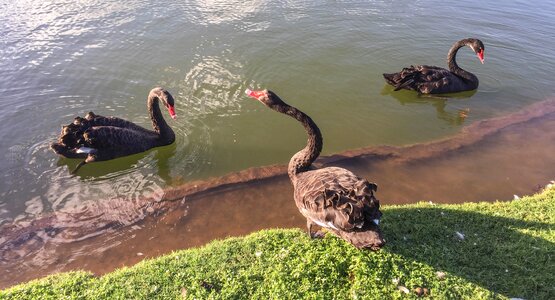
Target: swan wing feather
[336,198]
[118,138]
[426,79]
[98,120]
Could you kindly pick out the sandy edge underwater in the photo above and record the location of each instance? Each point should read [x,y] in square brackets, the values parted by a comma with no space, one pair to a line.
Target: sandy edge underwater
[16,233]
[470,134]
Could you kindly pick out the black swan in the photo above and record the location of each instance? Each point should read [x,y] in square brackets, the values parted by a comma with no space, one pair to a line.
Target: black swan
[435,80]
[333,198]
[97,138]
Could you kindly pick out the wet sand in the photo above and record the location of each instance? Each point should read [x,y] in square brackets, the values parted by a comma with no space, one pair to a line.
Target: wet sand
[488,160]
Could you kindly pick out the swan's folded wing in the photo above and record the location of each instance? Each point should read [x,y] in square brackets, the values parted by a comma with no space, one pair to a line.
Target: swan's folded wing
[337,199]
[433,79]
[96,120]
[111,137]
[421,78]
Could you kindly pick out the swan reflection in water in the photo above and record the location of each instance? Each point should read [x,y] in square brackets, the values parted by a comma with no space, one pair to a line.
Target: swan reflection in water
[158,158]
[452,116]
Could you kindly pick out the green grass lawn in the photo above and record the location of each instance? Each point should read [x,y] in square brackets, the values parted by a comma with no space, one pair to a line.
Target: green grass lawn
[508,250]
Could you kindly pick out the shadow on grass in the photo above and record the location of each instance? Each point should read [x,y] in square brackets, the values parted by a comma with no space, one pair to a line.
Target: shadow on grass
[508,256]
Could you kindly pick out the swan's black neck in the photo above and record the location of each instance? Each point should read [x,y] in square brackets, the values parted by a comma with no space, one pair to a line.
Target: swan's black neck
[167,136]
[301,161]
[454,67]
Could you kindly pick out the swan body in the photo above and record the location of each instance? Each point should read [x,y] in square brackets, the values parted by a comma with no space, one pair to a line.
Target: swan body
[98,138]
[333,198]
[435,80]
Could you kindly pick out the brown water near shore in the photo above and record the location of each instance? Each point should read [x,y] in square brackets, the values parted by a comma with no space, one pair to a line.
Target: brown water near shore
[488,160]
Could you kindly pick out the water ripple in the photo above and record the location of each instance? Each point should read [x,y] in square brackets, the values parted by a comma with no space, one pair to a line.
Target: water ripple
[220,11]
[213,84]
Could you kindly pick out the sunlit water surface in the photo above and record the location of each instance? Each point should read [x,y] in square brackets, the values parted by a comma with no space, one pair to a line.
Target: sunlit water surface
[60,59]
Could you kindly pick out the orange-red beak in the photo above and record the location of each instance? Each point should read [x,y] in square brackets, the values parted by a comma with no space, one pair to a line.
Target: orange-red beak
[255,94]
[171,110]
[481,55]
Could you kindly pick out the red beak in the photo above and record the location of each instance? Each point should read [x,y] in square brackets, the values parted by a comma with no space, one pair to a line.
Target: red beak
[481,55]
[255,94]
[171,110]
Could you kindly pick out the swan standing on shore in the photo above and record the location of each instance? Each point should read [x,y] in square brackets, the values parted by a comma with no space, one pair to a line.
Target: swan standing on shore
[333,198]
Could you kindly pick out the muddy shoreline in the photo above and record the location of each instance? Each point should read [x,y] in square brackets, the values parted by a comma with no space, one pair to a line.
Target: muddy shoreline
[469,135]
[487,160]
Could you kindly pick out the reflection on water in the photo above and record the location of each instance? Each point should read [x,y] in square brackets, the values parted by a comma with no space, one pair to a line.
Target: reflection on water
[215,85]
[220,11]
[449,107]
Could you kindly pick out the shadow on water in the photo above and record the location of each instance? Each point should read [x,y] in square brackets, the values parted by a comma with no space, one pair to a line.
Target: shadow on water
[482,256]
[98,171]
[451,115]
[162,159]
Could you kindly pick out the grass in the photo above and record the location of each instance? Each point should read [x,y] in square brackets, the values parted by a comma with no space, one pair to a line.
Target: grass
[508,250]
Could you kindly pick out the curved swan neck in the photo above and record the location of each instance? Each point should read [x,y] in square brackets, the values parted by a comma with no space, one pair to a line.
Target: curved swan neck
[452,62]
[301,161]
[158,122]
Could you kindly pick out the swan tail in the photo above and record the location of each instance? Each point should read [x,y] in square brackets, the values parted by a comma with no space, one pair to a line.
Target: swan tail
[71,137]
[405,83]
[408,78]
[399,80]
[67,152]
[390,78]
[58,148]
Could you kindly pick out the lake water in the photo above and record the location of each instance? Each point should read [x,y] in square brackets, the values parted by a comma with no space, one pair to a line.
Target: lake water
[60,59]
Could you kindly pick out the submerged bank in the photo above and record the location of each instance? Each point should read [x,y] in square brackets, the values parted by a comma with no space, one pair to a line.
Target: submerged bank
[492,159]
[463,251]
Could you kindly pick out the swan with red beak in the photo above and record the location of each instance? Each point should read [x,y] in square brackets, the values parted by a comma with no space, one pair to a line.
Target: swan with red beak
[332,198]
[427,79]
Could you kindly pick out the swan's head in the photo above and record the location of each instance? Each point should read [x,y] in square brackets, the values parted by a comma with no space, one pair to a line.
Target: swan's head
[267,97]
[166,98]
[478,48]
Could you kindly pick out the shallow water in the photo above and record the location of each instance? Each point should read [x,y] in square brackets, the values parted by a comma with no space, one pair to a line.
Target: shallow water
[60,59]
[455,170]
